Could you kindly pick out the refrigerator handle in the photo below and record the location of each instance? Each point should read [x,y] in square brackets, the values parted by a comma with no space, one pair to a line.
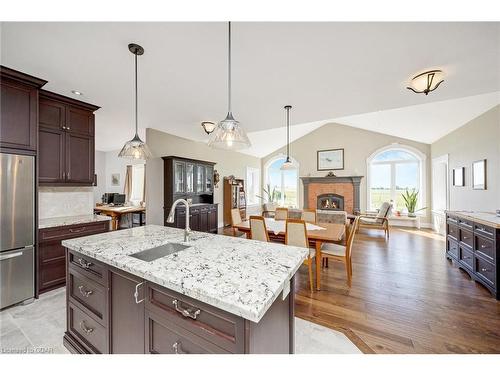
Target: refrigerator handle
[10,256]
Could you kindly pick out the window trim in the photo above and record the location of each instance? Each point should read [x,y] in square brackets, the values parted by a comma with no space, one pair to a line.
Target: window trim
[422,160]
[294,162]
[259,173]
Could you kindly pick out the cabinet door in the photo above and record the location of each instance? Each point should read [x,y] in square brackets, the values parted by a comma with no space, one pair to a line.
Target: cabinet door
[212,220]
[179,177]
[209,176]
[51,164]
[18,117]
[52,114]
[203,220]
[79,121]
[79,159]
[194,220]
[189,178]
[127,316]
[200,179]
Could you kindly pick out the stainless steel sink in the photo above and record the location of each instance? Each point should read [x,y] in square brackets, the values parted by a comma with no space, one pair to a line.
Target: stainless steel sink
[159,252]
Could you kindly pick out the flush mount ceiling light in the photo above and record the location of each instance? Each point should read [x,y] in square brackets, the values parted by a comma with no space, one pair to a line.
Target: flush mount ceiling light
[426,82]
[229,135]
[135,148]
[208,126]
[287,165]
[76,92]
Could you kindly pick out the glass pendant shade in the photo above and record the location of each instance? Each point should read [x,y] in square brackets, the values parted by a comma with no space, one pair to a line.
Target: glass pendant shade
[228,135]
[135,149]
[287,165]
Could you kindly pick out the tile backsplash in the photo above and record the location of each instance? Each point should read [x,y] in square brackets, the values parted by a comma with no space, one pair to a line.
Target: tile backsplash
[65,201]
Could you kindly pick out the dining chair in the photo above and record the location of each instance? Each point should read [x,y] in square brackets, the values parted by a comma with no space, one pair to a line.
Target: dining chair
[235,220]
[258,230]
[341,252]
[296,235]
[281,213]
[309,215]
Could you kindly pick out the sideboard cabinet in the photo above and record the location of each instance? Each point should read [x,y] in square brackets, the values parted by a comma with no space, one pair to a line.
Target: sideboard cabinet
[474,247]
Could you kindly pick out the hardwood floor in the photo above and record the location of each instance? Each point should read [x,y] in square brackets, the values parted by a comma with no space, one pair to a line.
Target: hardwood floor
[406,297]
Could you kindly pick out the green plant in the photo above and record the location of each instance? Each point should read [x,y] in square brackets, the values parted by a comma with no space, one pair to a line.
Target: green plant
[271,195]
[411,199]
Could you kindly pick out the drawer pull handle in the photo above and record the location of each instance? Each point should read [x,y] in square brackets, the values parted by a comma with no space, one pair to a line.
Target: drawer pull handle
[483,246]
[177,348]
[485,270]
[77,230]
[465,237]
[85,293]
[136,293]
[482,230]
[84,263]
[88,331]
[188,313]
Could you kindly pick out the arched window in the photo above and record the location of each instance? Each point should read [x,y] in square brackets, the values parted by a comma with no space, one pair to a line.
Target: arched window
[285,183]
[391,171]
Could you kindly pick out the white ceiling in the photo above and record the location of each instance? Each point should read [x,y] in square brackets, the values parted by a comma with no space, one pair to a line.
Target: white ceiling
[325,70]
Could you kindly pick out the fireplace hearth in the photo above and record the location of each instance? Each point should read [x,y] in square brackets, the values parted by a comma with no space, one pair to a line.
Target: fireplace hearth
[330,201]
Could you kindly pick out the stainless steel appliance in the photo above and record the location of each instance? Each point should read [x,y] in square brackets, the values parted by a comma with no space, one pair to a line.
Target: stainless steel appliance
[17,228]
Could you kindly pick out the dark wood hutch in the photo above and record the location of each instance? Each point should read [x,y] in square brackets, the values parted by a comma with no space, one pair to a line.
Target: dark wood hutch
[234,197]
[190,179]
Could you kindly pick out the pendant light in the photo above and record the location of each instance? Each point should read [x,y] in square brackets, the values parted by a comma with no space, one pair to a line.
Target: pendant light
[135,148]
[229,135]
[287,165]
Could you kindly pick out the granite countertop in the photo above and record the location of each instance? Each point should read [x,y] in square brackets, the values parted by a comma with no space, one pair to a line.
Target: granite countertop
[486,218]
[241,276]
[70,220]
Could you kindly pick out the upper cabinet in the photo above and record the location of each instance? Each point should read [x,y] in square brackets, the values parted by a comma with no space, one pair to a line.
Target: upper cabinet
[66,141]
[19,110]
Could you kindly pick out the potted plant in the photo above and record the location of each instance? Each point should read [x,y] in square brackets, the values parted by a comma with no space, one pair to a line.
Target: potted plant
[272,198]
[411,199]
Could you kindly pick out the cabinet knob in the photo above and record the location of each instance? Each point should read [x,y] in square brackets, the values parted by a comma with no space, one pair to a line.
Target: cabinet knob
[485,270]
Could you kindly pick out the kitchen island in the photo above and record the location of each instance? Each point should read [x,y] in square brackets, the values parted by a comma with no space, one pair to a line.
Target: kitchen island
[213,294]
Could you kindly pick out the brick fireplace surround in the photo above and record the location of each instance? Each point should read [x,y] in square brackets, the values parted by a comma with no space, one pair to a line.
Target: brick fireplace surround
[347,186]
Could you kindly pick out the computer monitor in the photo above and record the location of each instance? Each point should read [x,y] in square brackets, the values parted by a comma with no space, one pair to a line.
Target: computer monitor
[118,199]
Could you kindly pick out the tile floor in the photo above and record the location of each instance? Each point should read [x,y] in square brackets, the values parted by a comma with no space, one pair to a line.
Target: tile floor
[39,327]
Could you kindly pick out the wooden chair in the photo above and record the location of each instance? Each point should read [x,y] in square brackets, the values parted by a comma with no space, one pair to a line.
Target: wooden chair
[281,213]
[309,215]
[258,230]
[341,252]
[235,220]
[296,235]
[379,221]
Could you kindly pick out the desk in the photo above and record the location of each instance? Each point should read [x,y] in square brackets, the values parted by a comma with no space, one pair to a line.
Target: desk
[332,233]
[116,212]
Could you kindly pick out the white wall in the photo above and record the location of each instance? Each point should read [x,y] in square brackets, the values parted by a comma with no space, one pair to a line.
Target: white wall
[164,144]
[478,139]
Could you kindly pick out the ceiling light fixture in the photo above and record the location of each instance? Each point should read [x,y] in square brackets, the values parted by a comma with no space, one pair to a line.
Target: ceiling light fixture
[76,92]
[208,126]
[135,148]
[287,165]
[229,135]
[426,82]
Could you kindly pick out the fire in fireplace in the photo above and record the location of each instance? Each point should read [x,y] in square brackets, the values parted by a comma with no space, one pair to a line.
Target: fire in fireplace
[330,201]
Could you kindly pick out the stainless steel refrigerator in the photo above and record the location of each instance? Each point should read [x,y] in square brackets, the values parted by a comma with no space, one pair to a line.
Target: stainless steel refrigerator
[17,223]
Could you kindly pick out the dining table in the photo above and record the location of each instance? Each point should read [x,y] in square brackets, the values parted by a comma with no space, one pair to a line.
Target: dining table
[317,234]
[116,213]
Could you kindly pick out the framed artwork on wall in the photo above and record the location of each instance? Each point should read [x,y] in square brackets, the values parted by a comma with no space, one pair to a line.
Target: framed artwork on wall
[115,179]
[459,176]
[479,175]
[330,159]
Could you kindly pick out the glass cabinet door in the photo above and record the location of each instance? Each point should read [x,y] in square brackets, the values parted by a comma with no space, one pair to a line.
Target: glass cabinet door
[189,178]
[200,179]
[179,177]
[209,175]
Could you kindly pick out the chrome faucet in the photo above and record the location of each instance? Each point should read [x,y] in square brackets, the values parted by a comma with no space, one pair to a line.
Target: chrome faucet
[170,218]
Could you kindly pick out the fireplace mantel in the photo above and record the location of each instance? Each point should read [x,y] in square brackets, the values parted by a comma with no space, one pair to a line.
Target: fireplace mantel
[354,180]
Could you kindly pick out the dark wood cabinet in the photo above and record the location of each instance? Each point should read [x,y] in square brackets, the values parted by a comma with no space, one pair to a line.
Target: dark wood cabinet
[19,109]
[190,179]
[51,254]
[66,145]
[475,247]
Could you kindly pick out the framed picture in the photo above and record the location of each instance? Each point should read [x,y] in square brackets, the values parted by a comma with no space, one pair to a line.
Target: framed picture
[479,175]
[459,176]
[115,179]
[331,159]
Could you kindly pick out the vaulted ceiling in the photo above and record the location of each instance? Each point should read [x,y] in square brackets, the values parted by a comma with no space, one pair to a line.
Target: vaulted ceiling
[353,73]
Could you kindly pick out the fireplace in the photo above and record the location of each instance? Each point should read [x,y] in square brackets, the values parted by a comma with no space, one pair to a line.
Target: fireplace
[330,201]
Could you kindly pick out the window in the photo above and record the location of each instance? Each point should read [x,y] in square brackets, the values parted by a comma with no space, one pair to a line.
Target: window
[393,170]
[253,185]
[285,183]
[137,193]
